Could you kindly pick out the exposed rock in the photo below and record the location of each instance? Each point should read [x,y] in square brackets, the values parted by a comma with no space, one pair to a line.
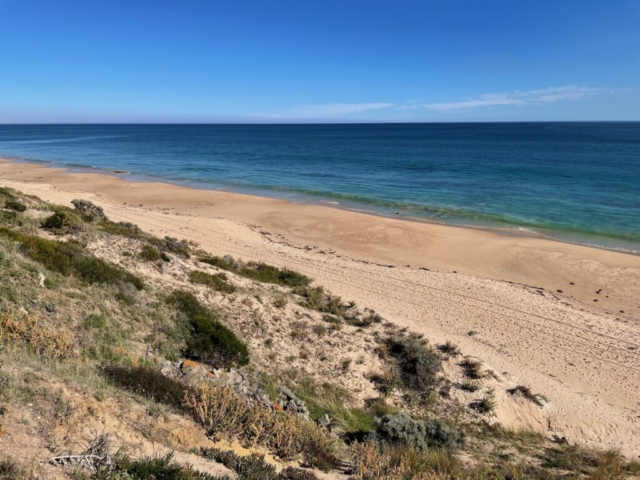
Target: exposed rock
[324,421]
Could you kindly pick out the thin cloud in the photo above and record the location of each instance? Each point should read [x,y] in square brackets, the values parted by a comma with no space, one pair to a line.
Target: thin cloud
[336,109]
[518,97]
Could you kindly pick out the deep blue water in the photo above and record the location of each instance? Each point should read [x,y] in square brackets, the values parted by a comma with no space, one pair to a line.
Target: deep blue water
[574,181]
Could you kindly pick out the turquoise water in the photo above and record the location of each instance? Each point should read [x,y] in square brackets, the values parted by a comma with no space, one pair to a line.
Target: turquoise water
[573,181]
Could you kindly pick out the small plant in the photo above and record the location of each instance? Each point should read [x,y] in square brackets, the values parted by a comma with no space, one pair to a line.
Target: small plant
[320,330]
[160,468]
[346,364]
[148,383]
[450,348]
[470,386]
[149,253]
[215,282]
[401,429]
[486,404]
[526,392]
[123,229]
[260,272]
[69,258]
[179,247]
[15,205]
[253,467]
[41,340]
[280,301]
[299,330]
[472,368]
[89,211]
[418,363]
[209,340]
[62,222]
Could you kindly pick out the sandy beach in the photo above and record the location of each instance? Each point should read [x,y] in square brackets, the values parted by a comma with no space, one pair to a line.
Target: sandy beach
[563,319]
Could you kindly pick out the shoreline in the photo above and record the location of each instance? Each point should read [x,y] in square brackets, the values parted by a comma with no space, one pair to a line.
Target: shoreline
[514,230]
[561,318]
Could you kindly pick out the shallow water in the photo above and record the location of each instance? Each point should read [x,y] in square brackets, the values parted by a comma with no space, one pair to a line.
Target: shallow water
[573,181]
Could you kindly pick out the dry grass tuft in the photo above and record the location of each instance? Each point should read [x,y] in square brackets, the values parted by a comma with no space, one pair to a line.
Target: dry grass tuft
[41,339]
[221,412]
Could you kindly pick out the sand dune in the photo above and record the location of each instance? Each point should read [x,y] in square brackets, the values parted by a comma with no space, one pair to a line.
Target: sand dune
[530,300]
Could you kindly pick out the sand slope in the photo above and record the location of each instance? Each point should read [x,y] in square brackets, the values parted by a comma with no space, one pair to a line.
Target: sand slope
[583,355]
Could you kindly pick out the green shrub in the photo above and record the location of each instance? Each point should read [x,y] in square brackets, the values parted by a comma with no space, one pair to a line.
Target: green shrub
[15,205]
[418,364]
[10,471]
[149,253]
[486,404]
[209,340]
[253,467]
[156,468]
[216,282]
[68,258]
[148,383]
[317,299]
[420,435]
[88,211]
[7,192]
[9,218]
[260,272]
[330,400]
[123,229]
[63,221]
[98,322]
[179,247]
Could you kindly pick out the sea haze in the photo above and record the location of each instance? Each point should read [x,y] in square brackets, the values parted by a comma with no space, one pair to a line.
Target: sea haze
[572,181]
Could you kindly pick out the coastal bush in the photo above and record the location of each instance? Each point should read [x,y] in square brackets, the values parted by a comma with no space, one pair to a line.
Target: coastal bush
[288,436]
[123,229]
[7,192]
[401,429]
[15,205]
[253,467]
[68,258]
[418,363]
[63,221]
[179,247]
[372,461]
[472,368]
[149,253]
[8,218]
[89,212]
[315,298]
[209,340]
[449,348]
[148,383]
[41,340]
[329,400]
[149,468]
[470,386]
[216,282]
[260,272]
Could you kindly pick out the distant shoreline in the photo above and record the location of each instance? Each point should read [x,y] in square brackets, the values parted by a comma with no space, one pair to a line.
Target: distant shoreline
[514,231]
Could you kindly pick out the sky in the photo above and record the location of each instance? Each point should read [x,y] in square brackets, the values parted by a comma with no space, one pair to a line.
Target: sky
[276,61]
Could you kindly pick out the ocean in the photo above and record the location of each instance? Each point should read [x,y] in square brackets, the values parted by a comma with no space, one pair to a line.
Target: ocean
[577,182]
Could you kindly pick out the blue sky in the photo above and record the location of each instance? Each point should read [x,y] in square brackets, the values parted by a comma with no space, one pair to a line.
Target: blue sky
[306,61]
